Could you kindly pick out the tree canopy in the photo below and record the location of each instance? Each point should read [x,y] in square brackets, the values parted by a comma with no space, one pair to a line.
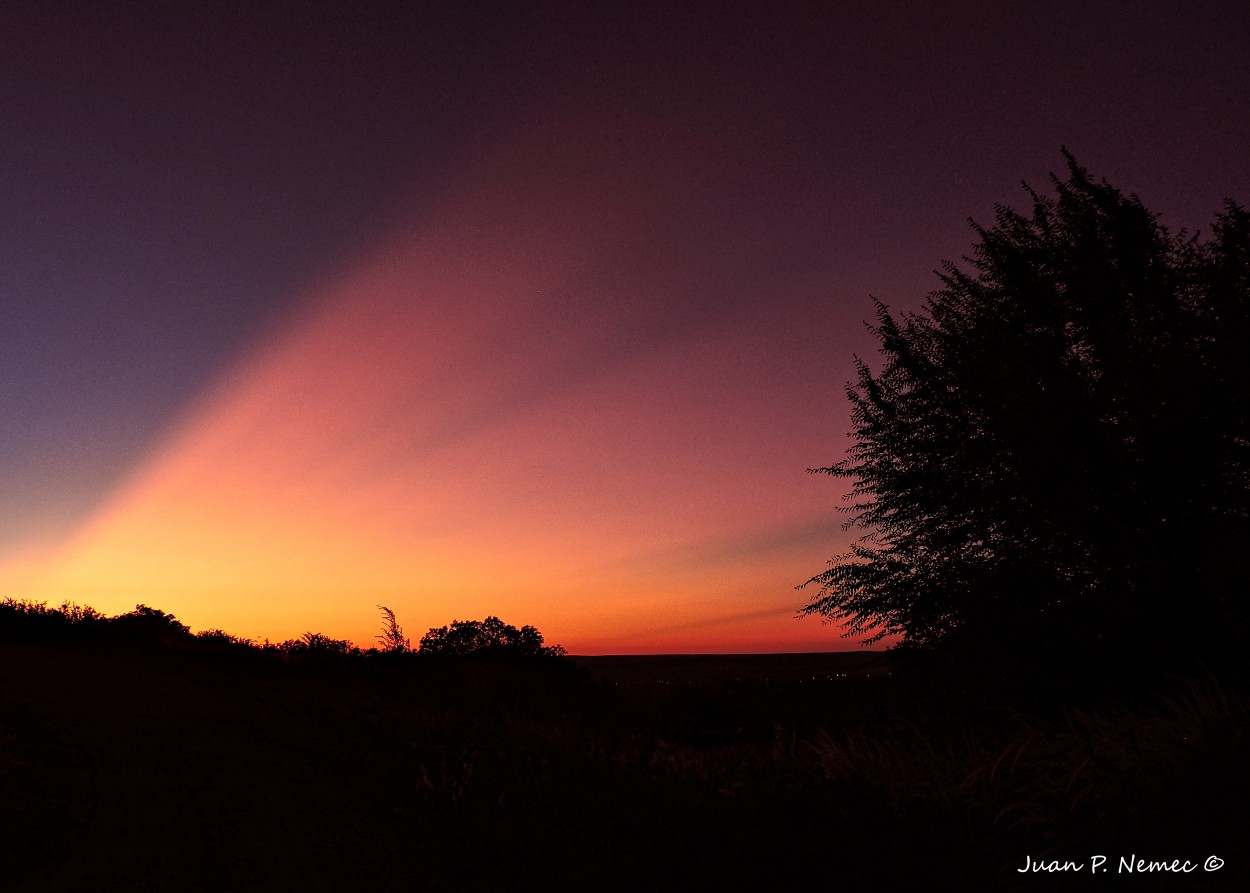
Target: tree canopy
[1054,448]
[486,637]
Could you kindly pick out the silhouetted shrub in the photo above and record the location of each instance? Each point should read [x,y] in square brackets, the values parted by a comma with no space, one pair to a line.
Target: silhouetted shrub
[489,637]
[150,626]
[222,640]
[317,645]
[28,619]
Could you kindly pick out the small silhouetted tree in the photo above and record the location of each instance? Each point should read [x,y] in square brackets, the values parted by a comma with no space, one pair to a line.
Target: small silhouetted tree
[486,637]
[1054,451]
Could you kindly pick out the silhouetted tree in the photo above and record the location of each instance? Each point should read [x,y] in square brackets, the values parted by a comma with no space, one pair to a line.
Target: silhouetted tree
[151,625]
[486,637]
[1055,447]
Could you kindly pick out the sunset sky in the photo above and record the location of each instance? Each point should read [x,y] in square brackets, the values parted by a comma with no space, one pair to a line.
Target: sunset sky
[529,309]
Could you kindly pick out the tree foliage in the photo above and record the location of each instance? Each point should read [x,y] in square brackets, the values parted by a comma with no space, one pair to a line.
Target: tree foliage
[486,637]
[152,625]
[1055,447]
[316,645]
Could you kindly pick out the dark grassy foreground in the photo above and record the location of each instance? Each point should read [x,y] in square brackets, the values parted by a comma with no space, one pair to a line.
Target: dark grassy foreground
[198,764]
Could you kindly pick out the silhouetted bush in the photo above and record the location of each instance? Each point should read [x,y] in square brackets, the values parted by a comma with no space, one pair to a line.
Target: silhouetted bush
[222,639]
[486,638]
[317,645]
[151,626]
[23,619]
